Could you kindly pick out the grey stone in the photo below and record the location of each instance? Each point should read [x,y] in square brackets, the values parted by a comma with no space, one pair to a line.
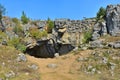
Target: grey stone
[96,44]
[115,45]
[53,66]
[56,55]
[95,36]
[112,65]
[21,57]
[10,74]
[80,59]
[33,66]
[1,79]
[103,30]
[104,60]
[113,19]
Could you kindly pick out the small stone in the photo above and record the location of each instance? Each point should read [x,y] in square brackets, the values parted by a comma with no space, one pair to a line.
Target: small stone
[1,79]
[99,72]
[53,66]
[10,74]
[80,59]
[105,60]
[21,57]
[113,65]
[33,66]
[3,64]
[56,55]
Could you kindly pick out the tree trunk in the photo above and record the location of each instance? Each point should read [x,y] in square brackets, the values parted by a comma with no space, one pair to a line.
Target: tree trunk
[3,27]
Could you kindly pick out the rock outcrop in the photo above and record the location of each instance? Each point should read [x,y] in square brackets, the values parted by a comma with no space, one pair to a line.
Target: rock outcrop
[113,19]
[74,29]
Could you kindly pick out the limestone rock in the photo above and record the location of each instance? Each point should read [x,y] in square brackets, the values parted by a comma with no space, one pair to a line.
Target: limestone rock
[113,19]
[21,57]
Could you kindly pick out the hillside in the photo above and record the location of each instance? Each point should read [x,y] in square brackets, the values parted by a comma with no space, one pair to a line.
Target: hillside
[62,49]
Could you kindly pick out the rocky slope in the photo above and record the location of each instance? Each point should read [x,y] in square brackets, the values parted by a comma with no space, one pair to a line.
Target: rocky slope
[93,48]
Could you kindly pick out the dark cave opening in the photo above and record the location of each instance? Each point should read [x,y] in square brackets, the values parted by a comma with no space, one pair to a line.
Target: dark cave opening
[47,50]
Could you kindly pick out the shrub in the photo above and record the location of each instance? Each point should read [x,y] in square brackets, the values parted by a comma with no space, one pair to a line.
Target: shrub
[3,36]
[50,25]
[37,34]
[17,43]
[24,18]
[15,20]
[87,36]
[101,14]
[14,42]
[21,47]
[18,30]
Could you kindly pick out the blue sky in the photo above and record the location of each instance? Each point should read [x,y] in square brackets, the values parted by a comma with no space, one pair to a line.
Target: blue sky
[42,9]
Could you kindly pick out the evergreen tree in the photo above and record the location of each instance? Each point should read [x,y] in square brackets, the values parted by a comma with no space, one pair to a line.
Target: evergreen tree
[24,18]
[2,12]
[50,25]
[101,14]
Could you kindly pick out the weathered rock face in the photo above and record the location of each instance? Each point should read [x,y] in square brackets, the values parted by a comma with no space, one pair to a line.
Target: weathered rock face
[99,29]
[74,29]
[113,19]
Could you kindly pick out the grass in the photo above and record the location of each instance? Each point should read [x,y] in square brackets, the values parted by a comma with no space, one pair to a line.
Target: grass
[8,56]
[96,61]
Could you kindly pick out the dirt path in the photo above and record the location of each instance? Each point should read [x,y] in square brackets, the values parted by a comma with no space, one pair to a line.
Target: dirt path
[63,70]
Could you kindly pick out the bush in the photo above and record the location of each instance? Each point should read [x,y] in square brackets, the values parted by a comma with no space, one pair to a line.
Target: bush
[17,43]
[87,36]
[18,30]
[3,36]
[21,47]
[14,42]
[15,20]
[50,25]
[37,34]
[101,14]
[24,18]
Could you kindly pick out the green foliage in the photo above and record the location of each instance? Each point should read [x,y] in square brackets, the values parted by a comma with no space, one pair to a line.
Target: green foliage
[24,18]
[14,42]
[18,30]
[2,11]
[15,20]
[101,14]
[21,47]
[87,36]
[50,25]
[3,36]
[17,43]
[37,34]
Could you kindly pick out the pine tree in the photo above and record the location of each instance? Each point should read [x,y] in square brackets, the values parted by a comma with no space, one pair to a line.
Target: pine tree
[2,12]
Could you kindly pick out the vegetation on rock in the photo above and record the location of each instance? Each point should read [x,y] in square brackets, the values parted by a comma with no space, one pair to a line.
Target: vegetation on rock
[50,25]
[24,18]
[101,14]
[37,34]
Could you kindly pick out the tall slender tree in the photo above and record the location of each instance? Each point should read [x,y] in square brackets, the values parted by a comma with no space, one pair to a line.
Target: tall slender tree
[24,18]
[2,12]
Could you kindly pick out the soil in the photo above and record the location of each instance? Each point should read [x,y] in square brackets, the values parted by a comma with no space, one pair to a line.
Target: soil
[64,70]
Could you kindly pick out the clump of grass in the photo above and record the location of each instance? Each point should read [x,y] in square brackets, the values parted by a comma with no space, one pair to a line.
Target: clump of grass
[8,56]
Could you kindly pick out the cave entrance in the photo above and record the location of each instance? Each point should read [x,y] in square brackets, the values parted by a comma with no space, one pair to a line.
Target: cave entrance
[47,49]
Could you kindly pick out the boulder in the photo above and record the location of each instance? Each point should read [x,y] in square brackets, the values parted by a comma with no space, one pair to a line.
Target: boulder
[113,19]
[115,45]
[96,44]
